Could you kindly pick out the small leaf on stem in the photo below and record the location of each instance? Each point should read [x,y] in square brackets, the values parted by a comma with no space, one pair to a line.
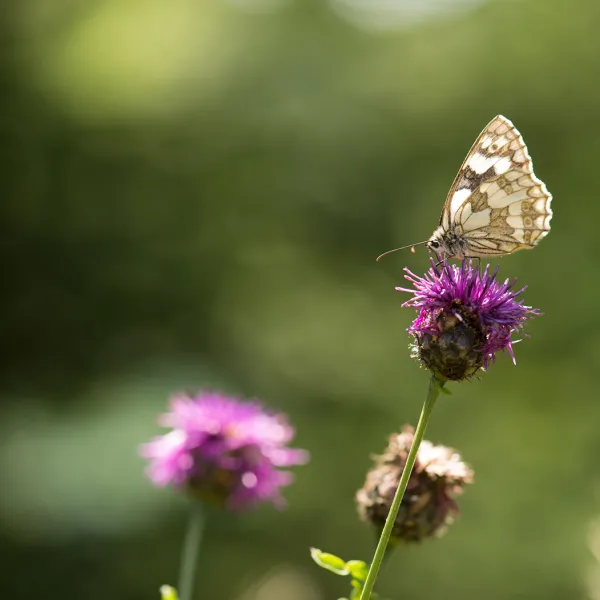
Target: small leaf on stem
[331,562]
[168,593]
[358,569]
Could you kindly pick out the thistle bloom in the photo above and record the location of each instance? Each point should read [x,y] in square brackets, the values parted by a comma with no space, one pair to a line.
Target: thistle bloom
[465,317]
[223,451]
[428,506]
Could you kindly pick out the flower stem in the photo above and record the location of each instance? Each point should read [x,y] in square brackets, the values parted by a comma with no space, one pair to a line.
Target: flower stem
[434,389]
[189,556]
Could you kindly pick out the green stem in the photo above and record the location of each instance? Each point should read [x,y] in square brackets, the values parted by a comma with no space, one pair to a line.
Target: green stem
[189,556]
[432,394]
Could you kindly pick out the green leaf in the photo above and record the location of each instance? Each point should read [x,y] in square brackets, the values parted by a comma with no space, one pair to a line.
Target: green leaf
[358,569]
[445,390]
[355,593]
[168,593]
[331,562]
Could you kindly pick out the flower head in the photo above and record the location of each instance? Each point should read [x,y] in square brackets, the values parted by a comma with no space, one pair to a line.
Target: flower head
[428,506]
[223,451]
[465,316]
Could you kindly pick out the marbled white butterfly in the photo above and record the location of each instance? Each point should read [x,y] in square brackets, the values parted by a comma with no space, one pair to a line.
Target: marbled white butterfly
[496,204]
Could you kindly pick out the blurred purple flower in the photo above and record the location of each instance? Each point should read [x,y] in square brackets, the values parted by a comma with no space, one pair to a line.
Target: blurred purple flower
[465,317]
[223,451]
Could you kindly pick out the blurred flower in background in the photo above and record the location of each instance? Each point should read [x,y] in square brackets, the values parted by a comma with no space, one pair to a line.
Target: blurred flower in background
[465,317]
[223,451]
[428,506]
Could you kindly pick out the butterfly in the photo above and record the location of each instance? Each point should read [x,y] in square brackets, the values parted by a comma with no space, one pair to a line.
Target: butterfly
[496,204]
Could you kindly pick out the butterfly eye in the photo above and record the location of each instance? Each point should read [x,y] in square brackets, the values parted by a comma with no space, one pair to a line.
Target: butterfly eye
[434,244]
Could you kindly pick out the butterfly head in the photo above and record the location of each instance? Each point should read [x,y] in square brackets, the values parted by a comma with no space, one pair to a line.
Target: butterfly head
[434,245]
[447,244]
[438,244]
[443,244]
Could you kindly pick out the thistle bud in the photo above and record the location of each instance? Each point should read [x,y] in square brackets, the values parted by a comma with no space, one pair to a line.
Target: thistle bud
[455,352]
[428,506]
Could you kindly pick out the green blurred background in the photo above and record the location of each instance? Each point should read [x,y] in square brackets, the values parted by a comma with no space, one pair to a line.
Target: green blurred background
[194,193]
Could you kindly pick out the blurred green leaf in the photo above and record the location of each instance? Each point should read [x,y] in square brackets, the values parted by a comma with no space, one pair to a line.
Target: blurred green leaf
[331,562]
[355,593]
[358,569]
[168,593]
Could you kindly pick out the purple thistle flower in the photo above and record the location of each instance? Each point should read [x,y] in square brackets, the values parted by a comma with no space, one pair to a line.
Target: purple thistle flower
[465,317]
[223,451]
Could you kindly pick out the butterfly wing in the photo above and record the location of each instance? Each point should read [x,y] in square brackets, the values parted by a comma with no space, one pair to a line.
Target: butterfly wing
[496,203]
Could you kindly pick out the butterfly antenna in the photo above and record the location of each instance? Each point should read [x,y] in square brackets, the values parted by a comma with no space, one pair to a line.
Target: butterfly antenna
[402,248]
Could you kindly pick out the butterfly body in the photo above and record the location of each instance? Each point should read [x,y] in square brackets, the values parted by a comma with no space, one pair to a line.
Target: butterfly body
[496,205]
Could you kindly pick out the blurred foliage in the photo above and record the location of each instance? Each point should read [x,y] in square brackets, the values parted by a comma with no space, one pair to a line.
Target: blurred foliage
[194,194]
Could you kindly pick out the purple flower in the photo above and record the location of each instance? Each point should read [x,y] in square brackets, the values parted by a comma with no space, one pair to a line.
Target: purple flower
[465,317]
[223,451]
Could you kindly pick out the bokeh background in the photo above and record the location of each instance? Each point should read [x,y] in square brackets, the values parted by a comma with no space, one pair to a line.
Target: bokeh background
[194,193]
